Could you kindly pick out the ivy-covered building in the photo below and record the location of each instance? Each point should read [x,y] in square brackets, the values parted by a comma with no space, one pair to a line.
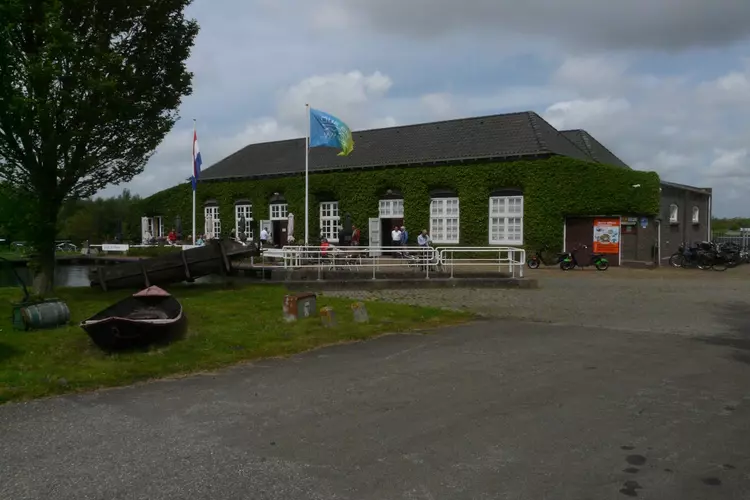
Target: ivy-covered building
[505,180]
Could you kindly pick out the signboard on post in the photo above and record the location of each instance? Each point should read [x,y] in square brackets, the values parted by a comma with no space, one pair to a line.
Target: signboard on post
[115,248]
[607,236]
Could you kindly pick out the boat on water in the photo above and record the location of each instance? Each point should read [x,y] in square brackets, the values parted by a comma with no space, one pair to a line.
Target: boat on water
[151,316]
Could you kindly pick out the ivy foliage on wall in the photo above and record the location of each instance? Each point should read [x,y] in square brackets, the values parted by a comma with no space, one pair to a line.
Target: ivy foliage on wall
[553,188]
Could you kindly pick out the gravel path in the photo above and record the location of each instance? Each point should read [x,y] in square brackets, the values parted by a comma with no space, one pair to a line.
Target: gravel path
[676,301]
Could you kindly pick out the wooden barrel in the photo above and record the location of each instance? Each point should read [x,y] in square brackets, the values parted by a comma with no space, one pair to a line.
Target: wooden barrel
[45,315]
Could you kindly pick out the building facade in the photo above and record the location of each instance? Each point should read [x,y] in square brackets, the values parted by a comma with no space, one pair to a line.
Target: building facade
[503,180]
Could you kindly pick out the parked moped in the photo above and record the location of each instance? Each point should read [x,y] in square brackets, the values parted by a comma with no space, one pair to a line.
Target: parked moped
[598,260]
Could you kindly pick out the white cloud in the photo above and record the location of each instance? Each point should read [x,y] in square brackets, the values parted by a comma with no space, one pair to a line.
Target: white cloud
[256,66]
[581,24]
[730,164]
[571,114]
[347,95]
[438,104]
[592,73]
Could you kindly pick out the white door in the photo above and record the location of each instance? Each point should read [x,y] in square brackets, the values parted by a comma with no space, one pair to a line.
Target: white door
[144,230]
[375,237]
[209,226]
[266,224]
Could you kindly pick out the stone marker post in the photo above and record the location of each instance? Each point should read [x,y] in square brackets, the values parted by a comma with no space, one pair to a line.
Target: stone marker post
[360,313]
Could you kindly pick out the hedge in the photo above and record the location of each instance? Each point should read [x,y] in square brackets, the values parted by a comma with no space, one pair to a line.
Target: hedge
[553,188]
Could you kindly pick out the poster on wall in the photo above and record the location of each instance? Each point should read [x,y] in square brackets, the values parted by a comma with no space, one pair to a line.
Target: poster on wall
[607,236]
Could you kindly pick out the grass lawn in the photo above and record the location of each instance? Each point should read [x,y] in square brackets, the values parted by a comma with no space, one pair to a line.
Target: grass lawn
[12,255]
[226,325]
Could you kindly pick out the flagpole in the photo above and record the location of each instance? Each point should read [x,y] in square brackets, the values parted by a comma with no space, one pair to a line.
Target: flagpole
[195,180]
[307,177]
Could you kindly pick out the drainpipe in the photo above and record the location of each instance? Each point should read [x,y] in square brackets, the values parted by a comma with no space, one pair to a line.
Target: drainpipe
[710,216]
[658,241]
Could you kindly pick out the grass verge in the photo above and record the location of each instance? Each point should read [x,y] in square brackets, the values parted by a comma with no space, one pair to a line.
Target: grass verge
[226,326]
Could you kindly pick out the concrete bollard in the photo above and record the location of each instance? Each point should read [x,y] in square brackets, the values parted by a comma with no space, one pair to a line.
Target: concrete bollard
[327,317]
[360,313]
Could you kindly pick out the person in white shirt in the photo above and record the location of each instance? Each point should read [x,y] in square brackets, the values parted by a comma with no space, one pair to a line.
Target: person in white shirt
[264,237]
[395,240]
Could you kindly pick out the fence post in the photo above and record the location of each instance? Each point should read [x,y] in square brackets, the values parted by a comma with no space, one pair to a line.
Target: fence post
[425,255]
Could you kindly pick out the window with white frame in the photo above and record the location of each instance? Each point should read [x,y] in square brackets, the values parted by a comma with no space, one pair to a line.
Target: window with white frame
[696,215]
[155,226]
[444,220]
[151,228]
[391,209]
[329,220]
[243,210]
[506,220]
[212,226]
[674,214]
[279,211]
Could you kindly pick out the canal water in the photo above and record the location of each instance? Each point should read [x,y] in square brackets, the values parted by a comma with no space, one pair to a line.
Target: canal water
[73,276]
[68,276]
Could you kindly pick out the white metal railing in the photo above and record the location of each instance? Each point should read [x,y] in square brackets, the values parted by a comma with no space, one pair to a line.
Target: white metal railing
[421,259]
[512,258]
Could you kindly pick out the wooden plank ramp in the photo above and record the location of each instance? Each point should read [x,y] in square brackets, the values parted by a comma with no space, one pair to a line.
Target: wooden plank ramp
[185,265]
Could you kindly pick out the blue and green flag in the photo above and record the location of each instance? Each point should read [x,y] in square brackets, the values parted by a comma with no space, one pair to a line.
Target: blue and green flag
[328,131]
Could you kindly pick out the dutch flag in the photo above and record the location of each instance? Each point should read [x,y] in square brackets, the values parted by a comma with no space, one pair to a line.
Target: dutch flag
[197,161]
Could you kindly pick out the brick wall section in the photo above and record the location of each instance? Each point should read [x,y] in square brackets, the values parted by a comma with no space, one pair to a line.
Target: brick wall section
[684,230]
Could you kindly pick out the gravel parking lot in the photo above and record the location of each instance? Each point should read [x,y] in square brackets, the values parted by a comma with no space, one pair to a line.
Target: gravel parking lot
[689,302]
[628,383]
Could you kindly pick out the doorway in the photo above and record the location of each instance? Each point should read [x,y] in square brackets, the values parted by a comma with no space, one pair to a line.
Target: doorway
[386,228]
[279,233]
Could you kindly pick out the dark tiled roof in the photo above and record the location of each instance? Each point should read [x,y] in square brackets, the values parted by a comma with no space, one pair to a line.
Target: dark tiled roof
[685,187]
[496,137]
[593,148]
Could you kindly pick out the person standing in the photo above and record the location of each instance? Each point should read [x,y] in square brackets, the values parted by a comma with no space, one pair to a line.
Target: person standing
[404,237]
[355,236]
[395,240]
[263,237]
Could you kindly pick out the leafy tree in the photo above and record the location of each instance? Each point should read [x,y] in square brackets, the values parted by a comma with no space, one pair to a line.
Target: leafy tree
[14,206]
[88,89]
[730,224]
[103,219]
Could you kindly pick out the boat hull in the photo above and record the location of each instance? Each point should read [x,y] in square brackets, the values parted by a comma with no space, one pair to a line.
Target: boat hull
[121,334]
[150,317]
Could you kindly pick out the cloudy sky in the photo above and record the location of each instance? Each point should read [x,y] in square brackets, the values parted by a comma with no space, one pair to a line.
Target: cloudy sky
[665,84]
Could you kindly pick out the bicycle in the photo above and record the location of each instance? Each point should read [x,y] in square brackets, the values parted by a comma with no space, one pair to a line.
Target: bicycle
[538,258]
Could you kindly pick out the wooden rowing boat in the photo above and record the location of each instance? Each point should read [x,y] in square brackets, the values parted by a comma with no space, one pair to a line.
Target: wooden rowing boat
[151,316]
